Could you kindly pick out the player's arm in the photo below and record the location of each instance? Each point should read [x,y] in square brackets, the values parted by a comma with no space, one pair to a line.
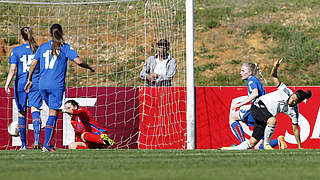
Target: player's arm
[296,133]
[294,115]
[31,71]
[83,64]
[274,72]
[12,71]
[254,94]
[145,72]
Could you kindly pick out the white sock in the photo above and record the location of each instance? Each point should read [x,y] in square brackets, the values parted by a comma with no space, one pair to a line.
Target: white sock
[243,146]
[268,132]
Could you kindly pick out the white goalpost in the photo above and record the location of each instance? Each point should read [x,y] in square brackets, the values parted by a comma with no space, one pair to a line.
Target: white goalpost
[115,37]
[190,76]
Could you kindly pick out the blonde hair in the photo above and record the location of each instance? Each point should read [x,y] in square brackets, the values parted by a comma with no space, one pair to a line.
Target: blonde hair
[254,69]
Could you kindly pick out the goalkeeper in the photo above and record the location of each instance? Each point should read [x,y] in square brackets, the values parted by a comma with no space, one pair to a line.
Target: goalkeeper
[89,135]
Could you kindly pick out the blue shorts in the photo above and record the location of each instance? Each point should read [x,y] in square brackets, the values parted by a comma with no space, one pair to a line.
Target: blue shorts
[245,115]
[52,97]
[21,100]
[33,97]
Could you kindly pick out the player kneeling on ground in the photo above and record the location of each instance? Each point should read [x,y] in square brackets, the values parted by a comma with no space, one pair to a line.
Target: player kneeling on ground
[89,134]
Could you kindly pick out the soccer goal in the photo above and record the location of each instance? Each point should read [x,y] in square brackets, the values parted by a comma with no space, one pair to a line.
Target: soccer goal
[115,37]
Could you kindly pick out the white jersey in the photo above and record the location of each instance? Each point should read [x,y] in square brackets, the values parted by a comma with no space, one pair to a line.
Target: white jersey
[161,67]
[277,102]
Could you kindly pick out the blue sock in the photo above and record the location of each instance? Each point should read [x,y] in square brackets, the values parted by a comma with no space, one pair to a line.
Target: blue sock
[273,142]
[36,126]
[261,146]
[240,135]
[48,130]
[22,130]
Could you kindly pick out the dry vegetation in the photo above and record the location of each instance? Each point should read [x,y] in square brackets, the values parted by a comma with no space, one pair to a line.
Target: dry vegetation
[118,37]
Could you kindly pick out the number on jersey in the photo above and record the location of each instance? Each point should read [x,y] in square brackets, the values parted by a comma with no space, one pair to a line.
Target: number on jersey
[26,61]
[49,63]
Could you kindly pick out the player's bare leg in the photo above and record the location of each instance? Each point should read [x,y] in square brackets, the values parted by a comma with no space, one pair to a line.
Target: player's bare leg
[78,145]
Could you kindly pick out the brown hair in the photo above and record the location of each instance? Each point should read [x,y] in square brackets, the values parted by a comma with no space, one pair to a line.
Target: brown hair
[27,35]
[57,37]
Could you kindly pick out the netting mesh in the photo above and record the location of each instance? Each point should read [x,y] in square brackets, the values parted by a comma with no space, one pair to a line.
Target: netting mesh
[114,37]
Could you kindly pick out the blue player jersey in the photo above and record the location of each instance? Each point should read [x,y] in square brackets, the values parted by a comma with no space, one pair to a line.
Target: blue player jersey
[22,56]
[53,69]
[255,83]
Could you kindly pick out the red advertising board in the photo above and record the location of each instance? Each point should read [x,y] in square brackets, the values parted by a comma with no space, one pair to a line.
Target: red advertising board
[155,118]
[212,118]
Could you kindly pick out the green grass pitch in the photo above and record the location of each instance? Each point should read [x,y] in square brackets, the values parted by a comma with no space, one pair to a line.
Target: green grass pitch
[160,164]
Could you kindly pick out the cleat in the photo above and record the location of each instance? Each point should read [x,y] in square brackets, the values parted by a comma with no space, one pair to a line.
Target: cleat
[282,142]
[107,140]
[23,148]
[36,145]
[267,147]
[48,149]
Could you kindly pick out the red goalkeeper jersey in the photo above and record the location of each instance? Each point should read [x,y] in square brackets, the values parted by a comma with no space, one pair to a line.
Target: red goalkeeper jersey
[82,121]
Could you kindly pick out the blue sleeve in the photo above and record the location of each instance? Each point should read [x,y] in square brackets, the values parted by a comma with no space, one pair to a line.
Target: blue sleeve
[13,58]
[252,85]
[71,53]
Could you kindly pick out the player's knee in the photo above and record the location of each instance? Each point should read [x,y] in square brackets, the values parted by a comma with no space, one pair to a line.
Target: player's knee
[234,117]
[72,146]
[34,109]
[22,113]
[272,121]
[53,112]
[252,141]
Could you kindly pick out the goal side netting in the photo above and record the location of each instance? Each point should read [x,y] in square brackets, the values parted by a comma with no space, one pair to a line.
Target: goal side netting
[116,38]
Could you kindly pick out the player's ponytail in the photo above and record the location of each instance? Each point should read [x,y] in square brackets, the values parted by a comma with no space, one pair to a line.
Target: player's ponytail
[27,35]
[57,37]
[303,95]
[259,71]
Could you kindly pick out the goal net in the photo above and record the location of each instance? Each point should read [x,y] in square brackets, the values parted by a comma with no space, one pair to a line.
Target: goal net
[116,38]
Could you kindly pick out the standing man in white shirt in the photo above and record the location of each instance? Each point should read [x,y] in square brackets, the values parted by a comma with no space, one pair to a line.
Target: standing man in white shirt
[265,109]
[160,69]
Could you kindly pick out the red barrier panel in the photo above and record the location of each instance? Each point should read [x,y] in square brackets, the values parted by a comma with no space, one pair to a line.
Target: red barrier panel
[212,118]
[156,117]
[162,118]
[116,108]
